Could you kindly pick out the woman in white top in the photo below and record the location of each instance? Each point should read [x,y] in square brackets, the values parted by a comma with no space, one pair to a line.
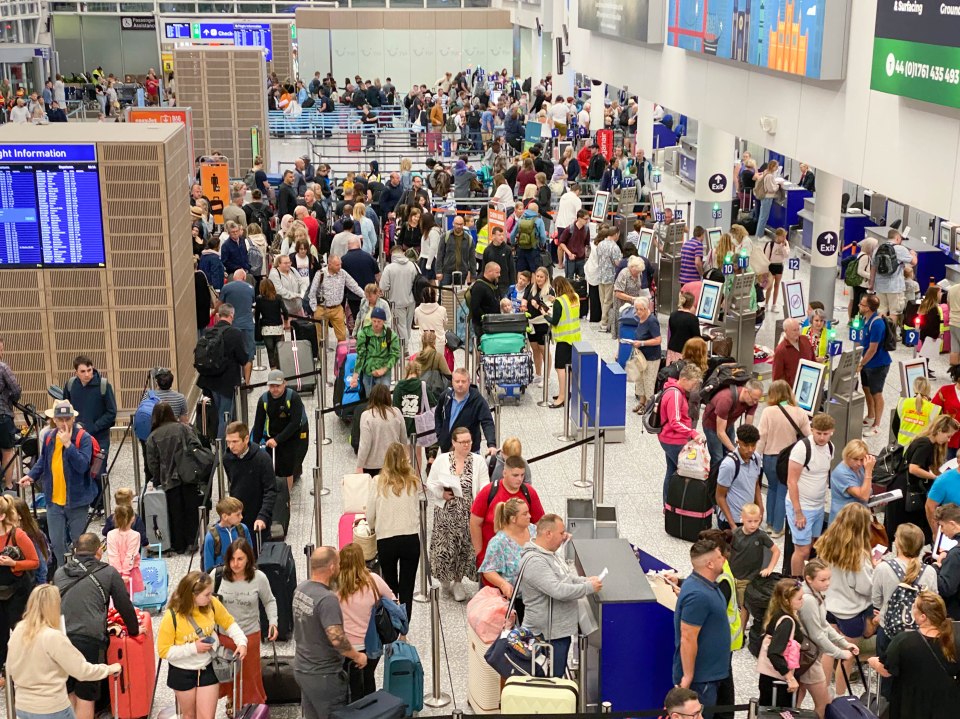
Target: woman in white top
[393,513]
[429,245]
[290,285]
[380,424]
[846,548]
[41,659]
[430,315]
[502,194]
[367,230]
[451,552]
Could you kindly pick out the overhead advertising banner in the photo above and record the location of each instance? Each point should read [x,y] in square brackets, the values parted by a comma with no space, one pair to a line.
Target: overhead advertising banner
[167,115]
[799,37]
[916,51]
[627,20]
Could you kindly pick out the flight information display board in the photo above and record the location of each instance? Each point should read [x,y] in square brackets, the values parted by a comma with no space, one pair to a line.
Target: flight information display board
[50,207]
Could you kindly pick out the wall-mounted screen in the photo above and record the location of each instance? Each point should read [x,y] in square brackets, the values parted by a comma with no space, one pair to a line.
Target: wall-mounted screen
[627,20]
[800,37]
[916,51]
[50,207]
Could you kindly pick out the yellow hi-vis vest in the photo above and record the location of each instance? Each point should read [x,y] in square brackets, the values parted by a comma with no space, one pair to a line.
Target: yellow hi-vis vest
[568,329]
[733,610]
[821,349]
[912,422]
[483,239]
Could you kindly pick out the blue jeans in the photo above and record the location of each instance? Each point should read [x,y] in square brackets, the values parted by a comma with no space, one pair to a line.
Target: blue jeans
[369,381]
[573,268]
[707,691]
[224,406]
[528,259]
[62,714]
[66,526]
[715,446]
[672,453]
[765,205]
[561,648]
[776,494]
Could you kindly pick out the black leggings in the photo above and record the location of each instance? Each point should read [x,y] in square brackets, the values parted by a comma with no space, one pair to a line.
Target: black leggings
[271,342]
[11,612]
[362,681]
[182,503]
[401,552]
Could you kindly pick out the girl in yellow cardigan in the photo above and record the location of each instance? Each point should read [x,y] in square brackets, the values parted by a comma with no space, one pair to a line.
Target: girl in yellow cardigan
[187,639]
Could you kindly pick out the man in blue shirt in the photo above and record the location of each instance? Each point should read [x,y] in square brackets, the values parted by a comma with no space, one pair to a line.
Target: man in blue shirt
[738,478]
[239,293]
[874,364]
[701,660]
[945,490]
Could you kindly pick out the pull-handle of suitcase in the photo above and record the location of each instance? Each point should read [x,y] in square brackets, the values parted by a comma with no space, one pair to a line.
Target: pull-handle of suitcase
[116,694]
[237,684]
[535,648]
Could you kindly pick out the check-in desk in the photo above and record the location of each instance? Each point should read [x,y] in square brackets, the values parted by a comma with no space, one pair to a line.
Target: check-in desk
[783,213]
[853,227]
[687,163]
[630,652]
[931,260]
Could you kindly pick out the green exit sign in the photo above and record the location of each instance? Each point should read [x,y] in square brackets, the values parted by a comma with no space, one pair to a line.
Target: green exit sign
[195,30]
[293,31]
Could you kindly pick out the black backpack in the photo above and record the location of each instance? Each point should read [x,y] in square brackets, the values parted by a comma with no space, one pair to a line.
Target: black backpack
[886,259]
[652,419]
[715,472]
[209,356]
[728,375]
[671,371]
[495,487]
[889,334]
[783,459]
[890,464]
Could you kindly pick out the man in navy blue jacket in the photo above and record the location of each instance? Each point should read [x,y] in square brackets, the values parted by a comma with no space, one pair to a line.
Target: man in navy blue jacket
[96,405]
[63,470]
[463,406]
[233,252]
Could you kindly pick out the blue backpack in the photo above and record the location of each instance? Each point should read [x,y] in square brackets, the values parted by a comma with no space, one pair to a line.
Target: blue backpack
[143,417]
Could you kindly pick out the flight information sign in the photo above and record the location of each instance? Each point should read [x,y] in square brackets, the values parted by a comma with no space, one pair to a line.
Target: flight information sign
[50,213]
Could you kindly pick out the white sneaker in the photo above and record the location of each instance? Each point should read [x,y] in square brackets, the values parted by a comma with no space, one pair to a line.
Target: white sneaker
[537,379]
[459,593]
[776,309]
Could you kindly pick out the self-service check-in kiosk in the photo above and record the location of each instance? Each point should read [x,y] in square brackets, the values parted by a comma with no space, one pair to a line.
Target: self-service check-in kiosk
[740,318]
[668,290]
[845,401]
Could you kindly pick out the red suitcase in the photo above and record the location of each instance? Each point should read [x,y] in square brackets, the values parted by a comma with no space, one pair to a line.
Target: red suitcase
[353,142]
[345,529]
[136,655]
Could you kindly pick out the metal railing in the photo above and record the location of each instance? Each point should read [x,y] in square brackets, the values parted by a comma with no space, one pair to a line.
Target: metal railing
[283,8]
[313,123]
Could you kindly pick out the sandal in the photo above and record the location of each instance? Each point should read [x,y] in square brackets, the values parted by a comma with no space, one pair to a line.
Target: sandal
[555,406]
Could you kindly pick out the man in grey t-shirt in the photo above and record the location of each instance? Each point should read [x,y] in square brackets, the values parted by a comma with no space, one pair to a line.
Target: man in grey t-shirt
[321,643]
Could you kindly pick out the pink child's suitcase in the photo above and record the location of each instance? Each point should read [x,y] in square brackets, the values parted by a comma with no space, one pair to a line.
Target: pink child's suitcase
[343,349]
[345,529]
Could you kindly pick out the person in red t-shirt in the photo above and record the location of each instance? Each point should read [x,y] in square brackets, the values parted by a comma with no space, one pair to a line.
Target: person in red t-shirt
[484,506]
[313,227]
[152,88]
[948,397]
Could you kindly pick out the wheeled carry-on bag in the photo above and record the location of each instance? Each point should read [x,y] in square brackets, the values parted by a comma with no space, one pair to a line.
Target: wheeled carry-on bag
[344,395]
[688,509]
[156,582]
[379,705]
[539,695]
[306,330]
[132,698]
[279,682]
[849,706]
[343,349]
[483,683]
[296,358]
[245,711]
[507,369]
[276,561]
[513,323]
[345,529]
[403,675]
[153,509]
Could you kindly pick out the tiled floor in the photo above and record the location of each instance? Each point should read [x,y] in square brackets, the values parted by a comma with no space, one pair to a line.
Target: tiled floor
[633,476]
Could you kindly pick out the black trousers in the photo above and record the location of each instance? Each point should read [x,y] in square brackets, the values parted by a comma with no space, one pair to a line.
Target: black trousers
[11,612]
[362,681]
[399,557]
[182,503]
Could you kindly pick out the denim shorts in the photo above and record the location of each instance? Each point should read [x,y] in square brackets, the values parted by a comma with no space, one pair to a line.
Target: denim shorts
[814,526]
[855,626]
[873,378]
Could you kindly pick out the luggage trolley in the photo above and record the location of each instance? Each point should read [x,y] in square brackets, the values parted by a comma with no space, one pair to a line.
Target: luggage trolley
[506,359]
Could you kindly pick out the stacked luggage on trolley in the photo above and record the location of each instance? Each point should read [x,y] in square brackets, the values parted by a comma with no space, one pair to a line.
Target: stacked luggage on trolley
[506,360]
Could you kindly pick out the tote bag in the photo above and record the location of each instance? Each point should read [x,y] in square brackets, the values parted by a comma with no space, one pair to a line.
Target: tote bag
[425,421]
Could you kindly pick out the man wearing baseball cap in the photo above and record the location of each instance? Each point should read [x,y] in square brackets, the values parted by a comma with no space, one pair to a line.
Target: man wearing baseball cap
[63,470]
[282,419]
[378,349]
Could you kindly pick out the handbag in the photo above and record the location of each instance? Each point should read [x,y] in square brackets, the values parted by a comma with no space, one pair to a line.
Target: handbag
[383,621]
[224,660]
[365,538]
[425,421]
[514,651]
[694,461]
[636,366]
[487,614]
[23,581]
[194,463]
[355,490]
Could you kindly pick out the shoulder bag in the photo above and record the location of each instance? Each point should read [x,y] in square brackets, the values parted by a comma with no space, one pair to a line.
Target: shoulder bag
[224,660]
[425,421]
[16,583]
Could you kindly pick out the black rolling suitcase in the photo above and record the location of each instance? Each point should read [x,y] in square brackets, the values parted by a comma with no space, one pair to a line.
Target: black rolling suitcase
[279,682]
[306,330]
[495,324]
[276,561]
[583,292]
[688,509]
[379,705]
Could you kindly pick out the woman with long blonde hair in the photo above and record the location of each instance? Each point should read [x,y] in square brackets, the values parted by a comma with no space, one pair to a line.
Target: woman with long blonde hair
[846,548]
[923,664]
[358,590]
[184,637]
[393,513]
[365,225]
[777,432]
[42,658]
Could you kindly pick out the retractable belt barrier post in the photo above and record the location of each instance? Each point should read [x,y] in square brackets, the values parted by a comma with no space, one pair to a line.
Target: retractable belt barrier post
[545,377]
[583,482]
[567,435]
[599,460]
[8,695]
[259,366]
[240,404]
[318,489]
[582,644]
[137,478]
[437,698]
[107,499]
[322,437]
[221,481]
[423,594]
[497,408]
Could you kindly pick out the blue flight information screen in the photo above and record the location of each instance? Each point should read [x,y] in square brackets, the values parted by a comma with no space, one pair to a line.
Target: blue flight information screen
[50,211]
